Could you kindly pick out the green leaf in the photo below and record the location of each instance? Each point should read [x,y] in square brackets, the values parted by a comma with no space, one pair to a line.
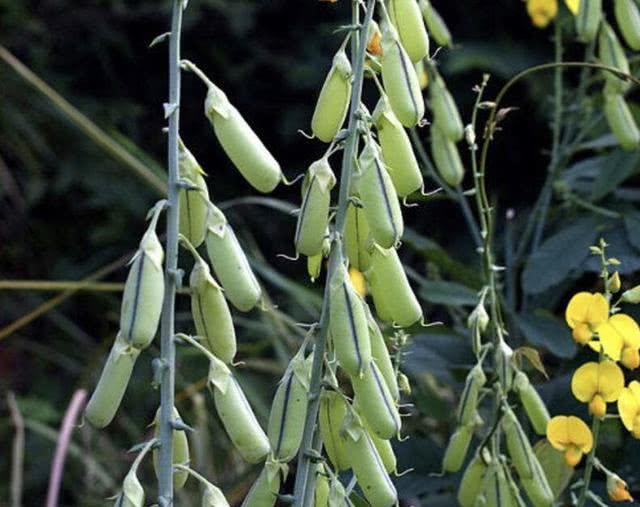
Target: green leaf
[448,293]
[616,167]
[632,226]
[542,329]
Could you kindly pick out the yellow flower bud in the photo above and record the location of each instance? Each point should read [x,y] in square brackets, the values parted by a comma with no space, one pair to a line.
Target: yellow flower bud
[582,334]
[597,406]
[614,283]
[630,358]
[617,489]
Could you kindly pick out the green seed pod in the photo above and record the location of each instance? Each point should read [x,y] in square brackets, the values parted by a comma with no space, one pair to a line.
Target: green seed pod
[333,102]
[378,293]
[407,19]
[380,200]
[376,403]
[446,157]
[107,396]
[445,111]
[230,264]
[438,29]
[628,19]
[132,492]
[383,446]
[289,410]
[369,469]
[396,150]
[314,262]
[356,238]
[213,497]
[240,142]
[457,448]
[238,418]
[612,54]
[265,490]
[532,402]
[621,121]
[180,451]
[472,480]
[496,487]
[314,212]
[588,19]
[348,325]
[143,292]
[502,360]
[538,491]
[556,470]
[321,494]
[391,286]
[380,354]
[211,313]
[333,409]
[400,80]
[193,202]
[469,399]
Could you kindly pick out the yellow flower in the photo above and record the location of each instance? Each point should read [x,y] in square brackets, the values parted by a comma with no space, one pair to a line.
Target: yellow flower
[598,384]
[620,340]
[629,407]
[570,435]
[357,280]
[543,11]
[573,5]
[617,489]
[585,312]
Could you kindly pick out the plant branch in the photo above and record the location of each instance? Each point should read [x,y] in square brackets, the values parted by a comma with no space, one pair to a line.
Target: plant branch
[17,456]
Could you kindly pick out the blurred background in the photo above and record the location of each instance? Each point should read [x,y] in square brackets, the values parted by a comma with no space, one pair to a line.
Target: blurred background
[69,208]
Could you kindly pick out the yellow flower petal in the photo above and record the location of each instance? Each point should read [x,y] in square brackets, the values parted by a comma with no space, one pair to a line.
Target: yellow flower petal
[605,378]
[580,433]
[584,383]
[611,381]
[627,328]
[542,11]
[570,434]
[598,310]
[573,5]
[629,404]
[611,340]
[558,432]
[358,282]
[587,308]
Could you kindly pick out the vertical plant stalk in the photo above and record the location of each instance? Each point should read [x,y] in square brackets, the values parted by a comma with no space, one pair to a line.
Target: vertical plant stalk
[305,479]
[17,456]
[167,331]
[588,469]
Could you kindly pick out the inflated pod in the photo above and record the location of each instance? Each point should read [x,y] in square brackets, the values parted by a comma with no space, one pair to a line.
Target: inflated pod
[445,111]
[472,480]
[193,201]
[333,102]
[621,121]
[532,402]
[398,155]
[446,157]
[333,409]
[380,354]
[265,490]
[369,469]
[556,469]
[356,237]
[132,492]
[375,402]
[239,420]
[496,488]
[628,19]
[379,198]
[240,142]
[438,29]
[289,410]
[588,19]
[211,314]
[107,396]
[383,445]
[143,292]
[314,212]
[213,497]
[376,289]
[457,448]
[469,400]
[406,17]
[611,54]
[321,493]
[180,451]
[391,286]
[230,263]
[538,490]
[400,80]
[348,324]
[314,262]
[423,75]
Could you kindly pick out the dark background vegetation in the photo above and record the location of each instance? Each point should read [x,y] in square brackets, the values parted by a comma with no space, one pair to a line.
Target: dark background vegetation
[67,209]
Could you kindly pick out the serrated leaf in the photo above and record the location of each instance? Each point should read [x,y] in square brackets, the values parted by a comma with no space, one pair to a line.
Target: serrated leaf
[448,293]
[531,355]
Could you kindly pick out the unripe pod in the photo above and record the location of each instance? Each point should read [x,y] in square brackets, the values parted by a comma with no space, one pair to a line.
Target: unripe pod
[435,24]
[321,494]
[333,102]
[469,400]
[391,286]
[230,263]
[213,497]
[533,405]
[132,492]
[446,157]
[240,142]
[556,469]
[265,490]
[107,396]
[612,54]
[397,151]
[472,480]
[180,451]
[588,19]
[457,448]
[143,292]
[333,409]
[239,420]
[377,291]
[445,111]
[356,238]
[314,263]
[211,313]
[496,487]
[314,212]
[380,354]
[383,446]
[423,75]
[400,80]
[538,491]
[376,403]
[194,206]
[348,325]
[406,17]
[621,121]
[380,200]
[369,470]
[628,19]
[289,410]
